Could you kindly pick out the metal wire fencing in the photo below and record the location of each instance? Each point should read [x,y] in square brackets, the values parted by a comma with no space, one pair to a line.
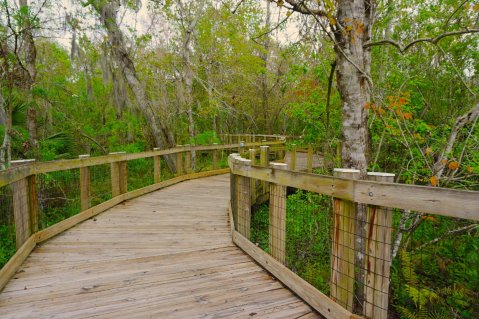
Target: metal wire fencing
[58,196]
[7,225]
[374,261]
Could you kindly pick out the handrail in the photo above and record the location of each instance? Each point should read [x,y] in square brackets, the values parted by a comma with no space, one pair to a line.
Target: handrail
[14,174]
[360,251]
[433,200]
[25,200]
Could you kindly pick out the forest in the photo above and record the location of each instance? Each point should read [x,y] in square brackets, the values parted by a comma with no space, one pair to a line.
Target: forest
[377,85]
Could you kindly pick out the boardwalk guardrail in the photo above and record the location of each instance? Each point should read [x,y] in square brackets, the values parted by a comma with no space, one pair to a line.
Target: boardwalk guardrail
[335,240]
[42,199]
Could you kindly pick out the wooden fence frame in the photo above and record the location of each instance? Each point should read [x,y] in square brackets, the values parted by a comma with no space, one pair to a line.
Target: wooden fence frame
[24,174]
[379,194]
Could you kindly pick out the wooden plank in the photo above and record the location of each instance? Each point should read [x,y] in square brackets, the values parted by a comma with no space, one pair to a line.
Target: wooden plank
[343,247]
[11,267]
[85,200]
[277,218]
[33,203]
[157,169]
[112,266]
[310,159]
[243,195]
[179,163]
[187,159]
[378,256]
[21,211]
[303,289]
[215,158]
[13,174]
[432,200]
[72,221]
[123,177]
[293,157]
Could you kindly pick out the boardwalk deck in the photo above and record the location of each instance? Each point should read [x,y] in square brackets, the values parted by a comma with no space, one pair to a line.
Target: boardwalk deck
[167,254]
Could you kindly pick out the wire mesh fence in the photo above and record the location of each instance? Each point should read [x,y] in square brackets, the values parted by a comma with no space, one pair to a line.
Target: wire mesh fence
[7,225]
[140,173]
[58,196]
[374,261]
[100,183]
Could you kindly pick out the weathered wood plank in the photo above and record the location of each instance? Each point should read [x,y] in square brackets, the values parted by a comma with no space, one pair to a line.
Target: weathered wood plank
[160,255]
[303,289]
[433,200]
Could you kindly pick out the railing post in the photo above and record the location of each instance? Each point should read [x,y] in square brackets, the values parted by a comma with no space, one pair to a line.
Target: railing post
[157,167]
[215,157]
[244,201]
[241,147]
[310,158]
[263,161]
[378,255]
[85,201]
[343,243]
[188,158]
[252,158]
[293,157]
[277,218]
[25,205]
[179,162]
[118,177]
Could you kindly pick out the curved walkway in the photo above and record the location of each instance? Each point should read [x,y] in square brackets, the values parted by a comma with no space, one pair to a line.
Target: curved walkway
[167,254]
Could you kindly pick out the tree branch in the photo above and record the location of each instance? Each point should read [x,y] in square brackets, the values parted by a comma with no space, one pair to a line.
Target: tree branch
[403,48]
[300,7]
[450,233]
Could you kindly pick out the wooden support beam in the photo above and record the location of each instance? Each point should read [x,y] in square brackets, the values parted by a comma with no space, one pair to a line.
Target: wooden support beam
[85,200]
[293,157]
[179,162]
[118,177]
[277,218]
[241,147]
[215,157]
[263,161]
[187,158]
[243,189]
[252,158]
[310,159]
[25,205]
[157,167]
[378,255]
[342,255]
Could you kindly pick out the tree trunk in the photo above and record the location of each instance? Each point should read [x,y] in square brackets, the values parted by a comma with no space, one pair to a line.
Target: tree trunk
[29,47]
[264,77]
[108,12]
[353,75]
[189,74]
[353,79]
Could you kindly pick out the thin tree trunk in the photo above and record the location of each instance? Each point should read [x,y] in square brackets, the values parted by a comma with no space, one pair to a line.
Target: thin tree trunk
[353,74]
[108,12]
[264,76]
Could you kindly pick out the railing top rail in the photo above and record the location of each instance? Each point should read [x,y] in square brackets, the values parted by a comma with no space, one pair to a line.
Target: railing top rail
[14,174]
[432,200]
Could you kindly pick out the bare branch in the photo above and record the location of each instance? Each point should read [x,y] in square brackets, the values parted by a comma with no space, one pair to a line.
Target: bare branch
[461,121]
[404,48]
[300,7]
[456,231]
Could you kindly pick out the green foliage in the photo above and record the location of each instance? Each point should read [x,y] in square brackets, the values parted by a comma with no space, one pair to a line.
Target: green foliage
[7,243]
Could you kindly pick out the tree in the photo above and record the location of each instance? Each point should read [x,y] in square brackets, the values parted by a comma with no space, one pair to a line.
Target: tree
[108,12]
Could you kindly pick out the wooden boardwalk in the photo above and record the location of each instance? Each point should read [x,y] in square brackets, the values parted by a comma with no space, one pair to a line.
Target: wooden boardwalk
[167,254]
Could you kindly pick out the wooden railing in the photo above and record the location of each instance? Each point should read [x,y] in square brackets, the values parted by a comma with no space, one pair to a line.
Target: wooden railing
[360,236]
[19,188]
